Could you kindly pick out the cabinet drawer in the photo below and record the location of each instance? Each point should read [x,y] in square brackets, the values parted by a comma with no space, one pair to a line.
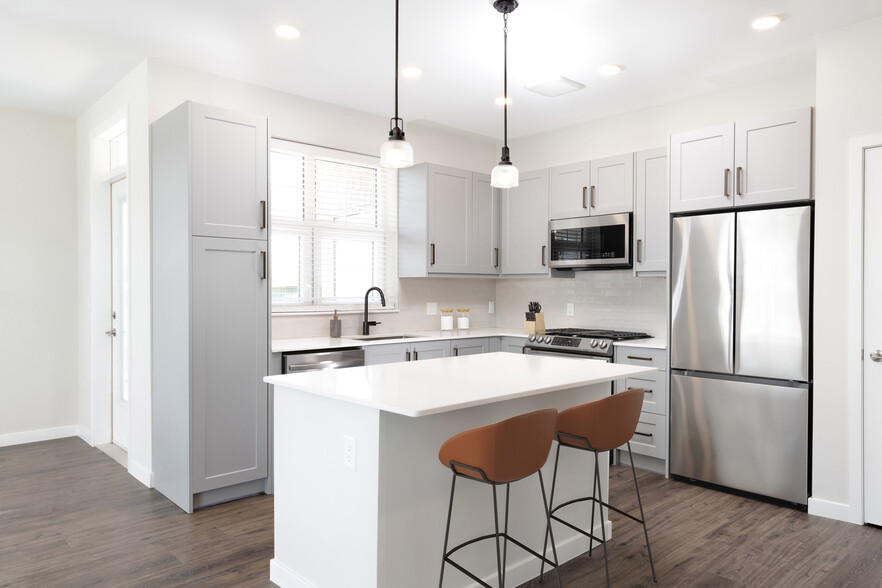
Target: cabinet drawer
[643,356]
[651,436]
[655,399]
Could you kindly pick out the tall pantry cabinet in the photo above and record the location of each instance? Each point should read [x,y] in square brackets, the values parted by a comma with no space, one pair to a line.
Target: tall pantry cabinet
[210,304]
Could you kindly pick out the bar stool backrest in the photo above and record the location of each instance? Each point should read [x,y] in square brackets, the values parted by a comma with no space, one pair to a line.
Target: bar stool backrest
[606,423]
[505,451]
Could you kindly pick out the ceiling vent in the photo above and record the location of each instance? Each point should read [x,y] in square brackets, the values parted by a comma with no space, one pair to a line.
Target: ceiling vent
[556,87]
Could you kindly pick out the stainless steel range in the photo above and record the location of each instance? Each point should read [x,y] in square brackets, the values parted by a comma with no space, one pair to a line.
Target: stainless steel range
[587,343]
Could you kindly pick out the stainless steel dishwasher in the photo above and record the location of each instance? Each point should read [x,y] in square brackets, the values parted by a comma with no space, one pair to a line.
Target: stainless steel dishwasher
[306,361]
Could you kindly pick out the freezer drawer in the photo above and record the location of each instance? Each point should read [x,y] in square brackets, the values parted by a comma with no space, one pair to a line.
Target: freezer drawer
[743,435]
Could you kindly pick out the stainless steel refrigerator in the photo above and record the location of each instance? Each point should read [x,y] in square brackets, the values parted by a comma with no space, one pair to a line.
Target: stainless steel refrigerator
[741,349]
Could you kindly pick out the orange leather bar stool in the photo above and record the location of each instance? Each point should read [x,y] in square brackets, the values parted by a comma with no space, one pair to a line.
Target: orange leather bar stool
[597,427]
[500,454]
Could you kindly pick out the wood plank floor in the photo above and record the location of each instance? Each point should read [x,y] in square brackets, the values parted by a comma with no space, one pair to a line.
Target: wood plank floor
[71,516]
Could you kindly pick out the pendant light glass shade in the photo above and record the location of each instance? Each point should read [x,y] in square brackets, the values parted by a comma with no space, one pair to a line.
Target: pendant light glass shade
[396,152]
[504,175]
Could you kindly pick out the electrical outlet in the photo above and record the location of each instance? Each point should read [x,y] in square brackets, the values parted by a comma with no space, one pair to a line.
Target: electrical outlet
[349,452]
[571,309]
[492,308]
[431,308]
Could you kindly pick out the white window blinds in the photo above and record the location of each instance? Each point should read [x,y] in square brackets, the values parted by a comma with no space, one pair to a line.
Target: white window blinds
[334,229]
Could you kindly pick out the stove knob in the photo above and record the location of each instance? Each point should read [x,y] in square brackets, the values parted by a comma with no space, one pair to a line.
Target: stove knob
[593,342]
[532,338]
[604,344]
[546,339]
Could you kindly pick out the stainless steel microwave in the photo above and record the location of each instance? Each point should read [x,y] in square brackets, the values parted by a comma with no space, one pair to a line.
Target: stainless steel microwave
[591,242]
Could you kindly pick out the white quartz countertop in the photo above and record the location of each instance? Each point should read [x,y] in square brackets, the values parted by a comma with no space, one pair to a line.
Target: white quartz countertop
[421,388]
[313,343]
[652,343]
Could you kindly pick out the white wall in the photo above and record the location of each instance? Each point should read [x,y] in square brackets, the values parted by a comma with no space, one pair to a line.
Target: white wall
[38,277]
[848,105]
[93,243]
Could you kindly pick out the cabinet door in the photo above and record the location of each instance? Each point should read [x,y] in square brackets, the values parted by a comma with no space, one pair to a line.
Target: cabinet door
[524,230]
[387,353]
[469,347]
[701,168]
[230,359]
[773,158]
[568,194]
[484,230]
[450,203]
[429,350]
[612,185]
[229,174]
[651,211]
[513,344]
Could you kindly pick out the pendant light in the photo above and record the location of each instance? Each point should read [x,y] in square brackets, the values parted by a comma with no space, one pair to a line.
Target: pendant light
[505,175]
[396,152]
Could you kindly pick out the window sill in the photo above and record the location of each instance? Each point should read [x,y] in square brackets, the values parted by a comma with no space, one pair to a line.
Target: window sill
[307,313]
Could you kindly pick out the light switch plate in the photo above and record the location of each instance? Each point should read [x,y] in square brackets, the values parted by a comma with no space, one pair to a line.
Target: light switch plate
[492,307]
[571,309]
[431,308]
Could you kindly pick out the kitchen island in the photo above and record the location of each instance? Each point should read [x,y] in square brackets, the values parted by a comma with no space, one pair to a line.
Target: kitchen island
[360,496]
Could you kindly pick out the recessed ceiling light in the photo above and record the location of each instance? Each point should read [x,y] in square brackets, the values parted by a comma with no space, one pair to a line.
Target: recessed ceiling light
[766,22]
[556,87]
[411,71]
[500,101]
[610,69]
[287,31]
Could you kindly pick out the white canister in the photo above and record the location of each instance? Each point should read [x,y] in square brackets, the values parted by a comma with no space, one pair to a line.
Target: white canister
[462,322]
[446,322]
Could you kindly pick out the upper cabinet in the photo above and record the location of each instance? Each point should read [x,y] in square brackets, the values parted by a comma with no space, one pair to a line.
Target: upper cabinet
[524,226]
[228,153]
[447,222]
[651,212]
[758,161]
[601,186]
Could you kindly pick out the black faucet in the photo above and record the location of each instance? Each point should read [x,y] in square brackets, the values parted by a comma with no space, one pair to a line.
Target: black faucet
[366,325]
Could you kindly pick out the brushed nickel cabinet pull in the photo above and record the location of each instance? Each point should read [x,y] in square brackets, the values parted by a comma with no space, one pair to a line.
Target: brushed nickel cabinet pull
[584,196]
[639,250]
[726,182]
[263,255]
[416,355]
[640,358]
[433,254]
[592,196]
[496,254]
[407,356]
[643,434]
[456,352]
[739,172]
[263,214]
[543,256]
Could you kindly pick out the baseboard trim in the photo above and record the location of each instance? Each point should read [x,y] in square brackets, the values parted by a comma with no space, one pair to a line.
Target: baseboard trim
[37,435]
[141,473]
[833,510]
[283,576]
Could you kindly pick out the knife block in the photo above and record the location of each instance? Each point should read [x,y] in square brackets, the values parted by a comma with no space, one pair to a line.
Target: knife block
[536,327]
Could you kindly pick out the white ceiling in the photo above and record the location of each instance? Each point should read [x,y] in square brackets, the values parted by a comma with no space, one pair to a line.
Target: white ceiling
[59,56]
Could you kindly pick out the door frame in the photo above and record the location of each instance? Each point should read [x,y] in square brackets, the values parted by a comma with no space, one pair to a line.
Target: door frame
[854,346]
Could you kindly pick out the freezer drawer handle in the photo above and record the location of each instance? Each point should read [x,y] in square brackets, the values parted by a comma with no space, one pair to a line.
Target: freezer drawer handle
[876,355]
[643,434]
[640,358]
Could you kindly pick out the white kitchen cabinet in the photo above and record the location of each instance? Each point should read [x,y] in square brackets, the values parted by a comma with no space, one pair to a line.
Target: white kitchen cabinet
[447,222]
[568,190]
[650,441]
[651,221]
[398,352]
[210,317]
[524,226]
[758,161]
[474,346]
[612,185]
[228,152]
[589,188]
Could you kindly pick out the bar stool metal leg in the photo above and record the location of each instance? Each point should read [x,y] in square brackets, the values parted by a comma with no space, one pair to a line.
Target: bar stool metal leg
[505,537]
[496,523]
[549,532]
[550,508]
[642,516]
[602,524]
[593,494]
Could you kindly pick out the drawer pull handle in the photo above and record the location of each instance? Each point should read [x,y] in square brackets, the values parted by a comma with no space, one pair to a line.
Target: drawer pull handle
[643,434]
[640,358]
[584,196]
[647,390]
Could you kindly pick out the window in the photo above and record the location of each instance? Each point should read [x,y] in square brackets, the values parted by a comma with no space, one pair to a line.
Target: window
[334,231]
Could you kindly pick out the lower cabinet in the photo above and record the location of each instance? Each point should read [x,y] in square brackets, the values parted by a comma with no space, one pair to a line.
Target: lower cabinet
[649,445]
[513,344]
[398,352]
[470,346]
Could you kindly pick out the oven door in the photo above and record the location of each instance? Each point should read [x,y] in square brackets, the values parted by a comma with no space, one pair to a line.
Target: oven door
[552,353]
[591,242]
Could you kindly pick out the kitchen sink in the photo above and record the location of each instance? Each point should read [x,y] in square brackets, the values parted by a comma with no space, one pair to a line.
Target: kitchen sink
[383,337]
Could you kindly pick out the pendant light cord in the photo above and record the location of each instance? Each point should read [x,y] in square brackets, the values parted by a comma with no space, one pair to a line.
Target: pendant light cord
[505,79]
[396,62]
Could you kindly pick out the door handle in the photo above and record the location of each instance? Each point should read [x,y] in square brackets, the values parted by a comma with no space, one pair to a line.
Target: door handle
[433,254]
[639,256]
[496,254]
[592,196]
[456,352]
[263,214]
[416,355]
[640,358]
[112,333]
[876,355]
[543,256]
[407,356]
[263,256]
[739,173]
[726,182]
[584,196]
[643,434]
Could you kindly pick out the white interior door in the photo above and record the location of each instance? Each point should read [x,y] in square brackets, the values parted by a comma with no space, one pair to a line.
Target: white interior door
[120,312]
[872,335]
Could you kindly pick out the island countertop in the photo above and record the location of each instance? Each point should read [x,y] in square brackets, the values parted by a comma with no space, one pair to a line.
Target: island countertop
[434,386]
